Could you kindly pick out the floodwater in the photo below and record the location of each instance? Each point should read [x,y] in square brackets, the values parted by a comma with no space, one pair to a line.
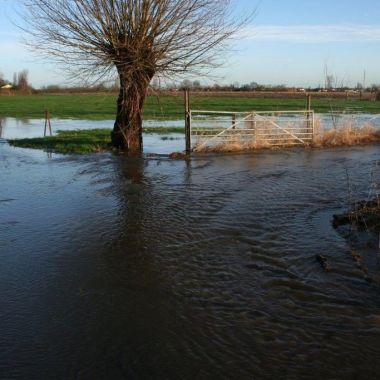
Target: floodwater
[150,268]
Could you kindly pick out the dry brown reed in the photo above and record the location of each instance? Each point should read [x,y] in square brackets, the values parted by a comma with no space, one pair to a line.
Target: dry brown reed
[346,135]
[235,144]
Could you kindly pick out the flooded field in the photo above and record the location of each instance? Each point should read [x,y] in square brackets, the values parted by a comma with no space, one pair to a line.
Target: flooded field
[12,128]
[144,268]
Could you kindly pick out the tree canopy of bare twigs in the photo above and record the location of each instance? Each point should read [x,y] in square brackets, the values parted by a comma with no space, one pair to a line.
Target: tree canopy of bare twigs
[139,39]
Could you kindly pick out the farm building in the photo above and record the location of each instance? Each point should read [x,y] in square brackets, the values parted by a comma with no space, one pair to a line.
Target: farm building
[6,89]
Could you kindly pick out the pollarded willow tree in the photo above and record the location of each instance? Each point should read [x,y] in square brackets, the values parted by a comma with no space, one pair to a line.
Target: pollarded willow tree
[139,39]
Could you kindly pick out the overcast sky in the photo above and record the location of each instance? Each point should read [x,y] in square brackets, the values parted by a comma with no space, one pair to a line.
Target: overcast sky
[289,42]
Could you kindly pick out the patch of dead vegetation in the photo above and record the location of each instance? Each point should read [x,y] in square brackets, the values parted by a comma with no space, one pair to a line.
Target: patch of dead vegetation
[346,135]
[365,216]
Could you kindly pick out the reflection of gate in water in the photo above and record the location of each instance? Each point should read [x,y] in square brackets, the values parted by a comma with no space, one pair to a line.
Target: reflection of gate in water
[274,128]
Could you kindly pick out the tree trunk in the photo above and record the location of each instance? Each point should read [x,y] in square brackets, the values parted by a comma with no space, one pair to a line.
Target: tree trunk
[127,130]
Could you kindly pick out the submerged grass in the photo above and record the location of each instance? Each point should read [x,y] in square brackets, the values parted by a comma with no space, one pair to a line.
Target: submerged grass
[364,215]
[163,130]
[84,141]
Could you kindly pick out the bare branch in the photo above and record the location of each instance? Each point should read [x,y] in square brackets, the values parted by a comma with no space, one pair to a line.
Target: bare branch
[137,38]
[164,36]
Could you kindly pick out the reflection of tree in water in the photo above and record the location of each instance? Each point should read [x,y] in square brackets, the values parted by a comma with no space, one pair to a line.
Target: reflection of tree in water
[135,200]
[144,198]
[127,256]
[147,219]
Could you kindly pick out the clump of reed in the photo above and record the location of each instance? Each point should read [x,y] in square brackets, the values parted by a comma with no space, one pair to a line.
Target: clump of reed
[235,144]
[364,215]
[348,134]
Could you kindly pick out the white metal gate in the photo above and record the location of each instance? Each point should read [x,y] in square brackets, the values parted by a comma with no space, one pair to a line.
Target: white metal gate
[274,128]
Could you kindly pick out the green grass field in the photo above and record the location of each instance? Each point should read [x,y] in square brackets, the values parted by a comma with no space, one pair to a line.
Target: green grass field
[102,106]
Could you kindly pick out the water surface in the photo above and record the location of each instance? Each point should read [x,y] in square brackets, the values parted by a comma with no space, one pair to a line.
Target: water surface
[143,268]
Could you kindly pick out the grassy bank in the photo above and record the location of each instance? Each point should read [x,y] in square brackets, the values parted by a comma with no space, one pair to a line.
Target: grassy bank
[102,106]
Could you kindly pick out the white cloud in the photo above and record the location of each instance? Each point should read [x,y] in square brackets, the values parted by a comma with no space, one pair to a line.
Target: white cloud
[314,33]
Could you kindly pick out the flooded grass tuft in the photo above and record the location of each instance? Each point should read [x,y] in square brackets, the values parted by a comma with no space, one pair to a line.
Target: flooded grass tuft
[80,142]
[364,215]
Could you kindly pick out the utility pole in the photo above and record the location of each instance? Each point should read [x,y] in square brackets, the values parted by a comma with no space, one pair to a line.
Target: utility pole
[364,78]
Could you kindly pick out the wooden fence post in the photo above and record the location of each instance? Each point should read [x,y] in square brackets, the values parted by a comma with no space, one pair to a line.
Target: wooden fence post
[308,108]
[47,123]
[253,126]
[187,122]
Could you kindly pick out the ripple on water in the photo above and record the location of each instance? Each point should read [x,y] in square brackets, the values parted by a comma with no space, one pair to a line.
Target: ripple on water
[121,267]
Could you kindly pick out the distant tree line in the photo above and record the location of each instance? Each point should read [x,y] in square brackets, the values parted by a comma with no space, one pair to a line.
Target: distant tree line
[21,83]
[80,88]
[254,86]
